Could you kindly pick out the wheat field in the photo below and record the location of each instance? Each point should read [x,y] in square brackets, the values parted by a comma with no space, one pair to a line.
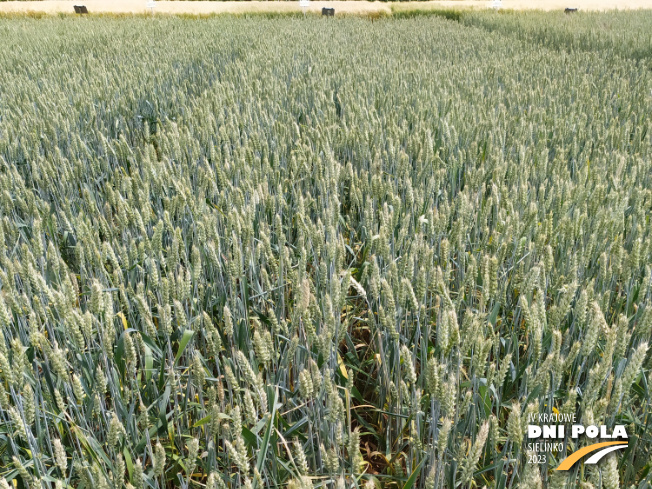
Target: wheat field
[287,251]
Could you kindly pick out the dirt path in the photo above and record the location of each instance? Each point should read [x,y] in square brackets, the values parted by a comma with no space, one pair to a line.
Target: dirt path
[352,6]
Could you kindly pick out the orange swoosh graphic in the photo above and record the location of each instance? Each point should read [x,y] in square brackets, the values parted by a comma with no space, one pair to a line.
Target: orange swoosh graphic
[575,456]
